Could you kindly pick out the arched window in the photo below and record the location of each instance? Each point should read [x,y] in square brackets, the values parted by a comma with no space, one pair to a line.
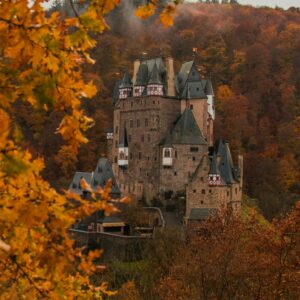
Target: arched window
[167,153]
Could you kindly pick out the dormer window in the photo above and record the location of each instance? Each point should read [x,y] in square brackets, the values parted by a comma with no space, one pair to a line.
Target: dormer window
[74,185]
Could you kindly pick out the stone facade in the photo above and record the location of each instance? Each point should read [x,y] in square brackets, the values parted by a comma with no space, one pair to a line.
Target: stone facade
[164,124]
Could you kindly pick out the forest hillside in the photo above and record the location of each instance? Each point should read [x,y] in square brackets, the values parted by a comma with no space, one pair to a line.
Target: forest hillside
[253,57]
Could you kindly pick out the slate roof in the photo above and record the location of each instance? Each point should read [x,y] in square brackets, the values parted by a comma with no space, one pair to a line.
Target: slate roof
[225,165]
[142,75]
[207,86]
[116,91]
[189,78]
[185,131]
[126,81]
[102,174]
[147,71]
[124,139]
[214,169]
[75,183]
[155,77]
[201,213]
[99,177]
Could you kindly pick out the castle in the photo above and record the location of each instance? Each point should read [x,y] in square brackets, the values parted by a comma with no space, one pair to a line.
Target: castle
[162,139]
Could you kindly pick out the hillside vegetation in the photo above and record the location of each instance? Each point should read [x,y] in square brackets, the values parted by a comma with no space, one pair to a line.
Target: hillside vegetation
[252,56]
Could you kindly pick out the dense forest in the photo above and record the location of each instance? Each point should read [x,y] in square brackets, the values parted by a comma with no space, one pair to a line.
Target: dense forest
[252,56]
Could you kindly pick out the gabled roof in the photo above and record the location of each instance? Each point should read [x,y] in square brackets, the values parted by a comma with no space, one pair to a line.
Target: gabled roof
[225,165]
[102,174]
[185,131]
[124,139]
[203,163]
[75,186]
[126,81]
[155,78]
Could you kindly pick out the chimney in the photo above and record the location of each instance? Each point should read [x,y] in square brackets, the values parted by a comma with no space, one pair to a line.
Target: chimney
[136,66]
[170,76]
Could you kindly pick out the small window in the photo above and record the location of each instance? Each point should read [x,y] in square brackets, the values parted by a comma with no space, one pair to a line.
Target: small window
[175,173]
[116,159]
[202,201]
[194,191]
[203,192]
[191,106]
[194,149]
[210,191]
[131,123]
[194,158]
[138,123]
[175,153]
[140,155]
[74,185]
[197,89]
[167,153]
[227,193]
[153,102]
[201,178]
[236,190]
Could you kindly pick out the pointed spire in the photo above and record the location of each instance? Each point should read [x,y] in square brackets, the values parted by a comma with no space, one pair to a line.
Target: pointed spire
[126,81]
[124,139]
[214,165]
[155,77]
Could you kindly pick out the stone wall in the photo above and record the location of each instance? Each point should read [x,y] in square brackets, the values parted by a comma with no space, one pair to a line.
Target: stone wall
[185,161]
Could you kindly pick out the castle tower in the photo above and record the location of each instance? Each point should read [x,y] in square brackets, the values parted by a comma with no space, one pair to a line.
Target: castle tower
[192,94]
[214,175]
[155,85]
[125,88]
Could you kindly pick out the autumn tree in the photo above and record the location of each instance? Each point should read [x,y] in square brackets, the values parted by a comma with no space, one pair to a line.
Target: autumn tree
[41,61]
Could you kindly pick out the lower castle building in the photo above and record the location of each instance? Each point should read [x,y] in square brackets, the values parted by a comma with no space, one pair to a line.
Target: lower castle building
[162,141]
